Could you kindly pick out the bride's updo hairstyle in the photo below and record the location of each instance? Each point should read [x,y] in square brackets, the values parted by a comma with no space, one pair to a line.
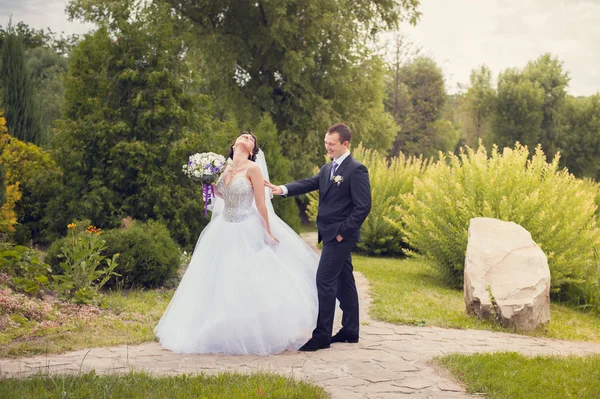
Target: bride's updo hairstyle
[252,156]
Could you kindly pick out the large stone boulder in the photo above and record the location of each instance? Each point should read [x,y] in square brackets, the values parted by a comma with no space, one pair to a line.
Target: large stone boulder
[506,275]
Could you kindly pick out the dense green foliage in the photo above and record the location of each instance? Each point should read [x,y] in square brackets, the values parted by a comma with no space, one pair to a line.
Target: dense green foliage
[305,63]
[132,118]
[47,71]
[24,269]
[148,256]
[39,180]
[417,102]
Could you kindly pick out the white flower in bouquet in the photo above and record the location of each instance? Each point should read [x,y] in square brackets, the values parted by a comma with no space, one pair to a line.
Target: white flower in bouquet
[205,167]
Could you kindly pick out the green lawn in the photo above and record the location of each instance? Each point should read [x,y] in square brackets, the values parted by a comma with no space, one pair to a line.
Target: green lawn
[514,376]
[129,318]
[408,291]
[144,386]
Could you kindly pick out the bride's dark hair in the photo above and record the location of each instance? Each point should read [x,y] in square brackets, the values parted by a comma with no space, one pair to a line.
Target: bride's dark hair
[252,155]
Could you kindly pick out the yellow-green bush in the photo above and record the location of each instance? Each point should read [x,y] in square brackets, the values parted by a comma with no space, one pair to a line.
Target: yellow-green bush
[39,180]
[554,206]
[8,217]
[9,192]
[390,178]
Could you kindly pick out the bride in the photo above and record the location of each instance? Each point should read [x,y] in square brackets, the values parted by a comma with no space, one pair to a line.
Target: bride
[250,285]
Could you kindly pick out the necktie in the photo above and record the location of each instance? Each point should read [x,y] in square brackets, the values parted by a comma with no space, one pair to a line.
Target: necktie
[333,169]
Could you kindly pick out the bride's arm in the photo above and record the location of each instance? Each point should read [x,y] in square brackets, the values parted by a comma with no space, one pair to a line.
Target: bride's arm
[257,179]
[217,193]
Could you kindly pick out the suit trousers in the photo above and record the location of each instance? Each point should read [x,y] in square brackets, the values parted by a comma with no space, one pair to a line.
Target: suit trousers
[335,280]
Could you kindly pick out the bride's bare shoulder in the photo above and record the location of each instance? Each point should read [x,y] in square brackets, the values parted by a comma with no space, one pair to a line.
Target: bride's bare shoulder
[253,167]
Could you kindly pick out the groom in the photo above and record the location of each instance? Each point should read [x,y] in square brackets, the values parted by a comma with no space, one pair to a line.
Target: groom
[344,203]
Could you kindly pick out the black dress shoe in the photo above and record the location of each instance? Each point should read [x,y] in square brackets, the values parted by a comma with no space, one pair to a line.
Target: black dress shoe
[314,345]
[342,336]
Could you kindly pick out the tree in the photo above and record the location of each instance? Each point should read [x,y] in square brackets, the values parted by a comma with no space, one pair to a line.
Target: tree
[530,105]
[21,107]
[419,104]
[519,110]
[298,61]
[402,52]
[580,143]
[30,37]
[132,117]
[48,69]
[34,38]
[478,106]
[548,72]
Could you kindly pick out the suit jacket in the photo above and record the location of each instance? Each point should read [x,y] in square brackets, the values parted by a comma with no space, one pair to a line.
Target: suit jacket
[344,206]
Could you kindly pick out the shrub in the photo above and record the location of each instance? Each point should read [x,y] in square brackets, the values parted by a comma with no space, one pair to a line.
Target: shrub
[23,268]
[148,255]
[38,179]
[8,216]
[555,207]
[390,178]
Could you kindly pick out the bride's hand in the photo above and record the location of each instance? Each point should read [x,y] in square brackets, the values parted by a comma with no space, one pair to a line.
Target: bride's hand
[273,238]
[274,189]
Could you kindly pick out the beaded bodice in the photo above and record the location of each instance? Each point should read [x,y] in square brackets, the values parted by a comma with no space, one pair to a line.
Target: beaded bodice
[238,196]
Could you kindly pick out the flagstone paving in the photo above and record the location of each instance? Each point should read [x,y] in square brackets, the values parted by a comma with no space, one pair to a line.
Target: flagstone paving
[390,361]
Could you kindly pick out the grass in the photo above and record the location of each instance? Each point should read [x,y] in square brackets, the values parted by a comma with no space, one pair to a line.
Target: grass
[408,291]
[129,318]
[514,376]
[142,385]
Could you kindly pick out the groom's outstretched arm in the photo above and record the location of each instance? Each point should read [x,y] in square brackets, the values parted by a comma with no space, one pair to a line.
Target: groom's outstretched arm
[360,189]
[300,187]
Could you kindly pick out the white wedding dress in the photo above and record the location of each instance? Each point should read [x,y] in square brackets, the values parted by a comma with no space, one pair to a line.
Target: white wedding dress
[241,295]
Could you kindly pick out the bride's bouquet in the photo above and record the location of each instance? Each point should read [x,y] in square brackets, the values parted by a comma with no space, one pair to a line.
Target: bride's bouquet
[206,168]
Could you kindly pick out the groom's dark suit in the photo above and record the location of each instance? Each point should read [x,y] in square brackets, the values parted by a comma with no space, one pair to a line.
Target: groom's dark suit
[343,207]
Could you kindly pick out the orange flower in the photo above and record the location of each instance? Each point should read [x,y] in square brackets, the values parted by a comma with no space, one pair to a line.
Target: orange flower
[71,226]
[93,230]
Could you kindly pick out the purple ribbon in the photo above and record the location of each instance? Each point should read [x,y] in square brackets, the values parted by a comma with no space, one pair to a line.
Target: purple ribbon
[208,192]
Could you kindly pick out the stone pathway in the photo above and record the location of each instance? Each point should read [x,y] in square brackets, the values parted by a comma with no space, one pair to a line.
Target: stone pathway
[389,362]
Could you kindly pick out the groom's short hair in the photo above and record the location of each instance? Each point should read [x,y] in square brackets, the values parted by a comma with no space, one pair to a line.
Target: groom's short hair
[342,130]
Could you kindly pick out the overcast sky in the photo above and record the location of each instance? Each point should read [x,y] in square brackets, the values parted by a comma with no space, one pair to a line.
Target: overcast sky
[458,34]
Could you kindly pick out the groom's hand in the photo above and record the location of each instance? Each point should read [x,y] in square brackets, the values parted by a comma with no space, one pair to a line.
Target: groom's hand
[274,189]
[339,238]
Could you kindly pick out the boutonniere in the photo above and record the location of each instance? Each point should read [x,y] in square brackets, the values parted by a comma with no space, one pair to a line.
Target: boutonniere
[338,179]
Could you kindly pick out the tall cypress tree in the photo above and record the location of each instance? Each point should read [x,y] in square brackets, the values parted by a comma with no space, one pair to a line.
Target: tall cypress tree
[21,108]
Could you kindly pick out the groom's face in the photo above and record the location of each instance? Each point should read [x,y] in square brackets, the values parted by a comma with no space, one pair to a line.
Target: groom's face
[333,145]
